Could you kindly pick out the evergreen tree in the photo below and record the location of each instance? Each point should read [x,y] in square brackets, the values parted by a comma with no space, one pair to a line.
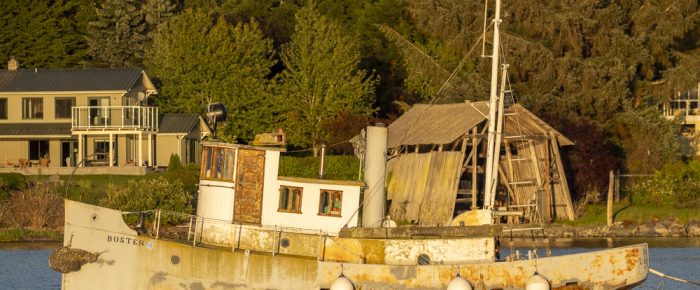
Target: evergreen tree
[322,78]
[157,12]
[118,36]
[42,34]
[199,59]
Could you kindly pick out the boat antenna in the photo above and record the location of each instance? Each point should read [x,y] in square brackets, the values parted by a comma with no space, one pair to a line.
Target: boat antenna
[493,149]
[216,112]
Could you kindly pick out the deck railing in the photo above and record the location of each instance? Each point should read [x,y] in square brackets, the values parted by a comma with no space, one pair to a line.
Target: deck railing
[114,118]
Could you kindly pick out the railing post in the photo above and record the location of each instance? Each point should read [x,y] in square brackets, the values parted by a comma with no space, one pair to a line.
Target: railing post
[158,224]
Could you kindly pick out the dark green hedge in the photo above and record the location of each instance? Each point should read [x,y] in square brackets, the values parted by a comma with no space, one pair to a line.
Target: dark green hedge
[337,167]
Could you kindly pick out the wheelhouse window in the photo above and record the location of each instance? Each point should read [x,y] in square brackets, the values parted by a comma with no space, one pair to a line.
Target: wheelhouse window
[63,107]
[38,149]
[32,108]
[217,163]
[290,199]
[3,108]
[331,201]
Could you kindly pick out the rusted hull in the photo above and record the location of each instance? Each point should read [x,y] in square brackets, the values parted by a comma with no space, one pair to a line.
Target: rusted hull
[128,261]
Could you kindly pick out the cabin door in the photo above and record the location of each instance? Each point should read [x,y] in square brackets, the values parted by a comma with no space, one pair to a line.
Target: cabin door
[249,186]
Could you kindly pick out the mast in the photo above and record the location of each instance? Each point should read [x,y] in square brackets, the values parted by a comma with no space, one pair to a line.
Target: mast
[493,149]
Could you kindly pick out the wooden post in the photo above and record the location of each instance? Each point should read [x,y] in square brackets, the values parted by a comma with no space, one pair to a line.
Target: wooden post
[610,198]
[617,186]
[475,146]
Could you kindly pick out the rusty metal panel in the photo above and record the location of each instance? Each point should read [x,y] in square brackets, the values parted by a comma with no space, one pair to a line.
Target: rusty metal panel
[249,186]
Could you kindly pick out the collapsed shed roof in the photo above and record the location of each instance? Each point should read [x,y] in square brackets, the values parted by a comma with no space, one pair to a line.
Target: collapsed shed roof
[444,123]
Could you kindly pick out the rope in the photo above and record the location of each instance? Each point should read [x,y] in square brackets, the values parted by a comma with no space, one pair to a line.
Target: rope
[662,275]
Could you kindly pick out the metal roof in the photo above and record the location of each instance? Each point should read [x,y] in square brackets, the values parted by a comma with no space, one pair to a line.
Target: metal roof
[34,129]
[436,124]
[177,123]
[62,80]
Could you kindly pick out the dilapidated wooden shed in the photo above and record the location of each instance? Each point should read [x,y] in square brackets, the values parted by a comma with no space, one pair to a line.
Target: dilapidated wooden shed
[435,171]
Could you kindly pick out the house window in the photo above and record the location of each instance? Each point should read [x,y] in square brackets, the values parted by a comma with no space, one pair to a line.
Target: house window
[3,109]
[290,199]
[32,108]
[330,202]
[38,149]
[101,150]
[63,107]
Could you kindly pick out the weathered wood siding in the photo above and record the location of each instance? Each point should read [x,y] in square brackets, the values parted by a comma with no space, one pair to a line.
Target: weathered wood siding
[423,186]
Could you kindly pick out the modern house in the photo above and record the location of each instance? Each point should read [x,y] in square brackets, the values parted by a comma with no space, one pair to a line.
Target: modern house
[685,107]
[98,118]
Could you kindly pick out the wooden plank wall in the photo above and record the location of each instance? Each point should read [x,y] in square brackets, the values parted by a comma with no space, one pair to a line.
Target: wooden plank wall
[423,186]
[532,168]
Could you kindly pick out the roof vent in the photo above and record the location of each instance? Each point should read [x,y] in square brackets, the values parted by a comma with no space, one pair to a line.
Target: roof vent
[12,65]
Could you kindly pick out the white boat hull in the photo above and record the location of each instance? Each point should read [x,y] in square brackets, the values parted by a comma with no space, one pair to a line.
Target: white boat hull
[129,261]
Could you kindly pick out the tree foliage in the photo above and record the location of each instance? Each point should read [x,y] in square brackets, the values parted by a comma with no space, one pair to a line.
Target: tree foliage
[199,58]
[123,29]
[43,34]
[322,78]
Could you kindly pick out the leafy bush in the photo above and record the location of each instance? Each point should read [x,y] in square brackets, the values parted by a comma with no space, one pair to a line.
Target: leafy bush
[174,163]
[676,183]
[338,167]
[150,194]
[12,181]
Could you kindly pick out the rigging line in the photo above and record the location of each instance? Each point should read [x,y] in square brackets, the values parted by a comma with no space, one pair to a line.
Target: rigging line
[662,275]
[372,192]
[437,94]
[309,149]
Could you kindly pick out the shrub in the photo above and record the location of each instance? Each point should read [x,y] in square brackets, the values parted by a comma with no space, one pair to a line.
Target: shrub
[37,207]
[174,163]
[338,167]
[676,183]
[150,194]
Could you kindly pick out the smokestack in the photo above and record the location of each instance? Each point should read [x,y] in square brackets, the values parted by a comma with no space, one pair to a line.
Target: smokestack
[375,176]
[12,65]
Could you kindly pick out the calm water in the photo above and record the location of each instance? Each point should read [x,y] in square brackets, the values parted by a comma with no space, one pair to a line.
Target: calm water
[25,266]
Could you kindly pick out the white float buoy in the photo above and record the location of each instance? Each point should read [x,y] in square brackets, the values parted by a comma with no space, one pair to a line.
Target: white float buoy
[459,283]
[342,283]
[537,282]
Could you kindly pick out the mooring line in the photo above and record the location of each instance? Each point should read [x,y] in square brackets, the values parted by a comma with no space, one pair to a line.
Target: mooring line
[662,275]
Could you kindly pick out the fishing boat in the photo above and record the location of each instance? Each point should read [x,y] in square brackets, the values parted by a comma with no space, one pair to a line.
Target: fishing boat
[254,229]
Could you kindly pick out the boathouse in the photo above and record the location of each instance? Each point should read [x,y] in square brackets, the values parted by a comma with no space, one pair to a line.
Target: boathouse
[435,170]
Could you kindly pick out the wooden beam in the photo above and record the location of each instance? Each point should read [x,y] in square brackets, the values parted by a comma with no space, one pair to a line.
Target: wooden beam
[562,179]
[548,185]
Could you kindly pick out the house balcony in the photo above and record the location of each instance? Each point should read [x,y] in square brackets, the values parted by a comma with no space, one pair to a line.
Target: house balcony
[114,118]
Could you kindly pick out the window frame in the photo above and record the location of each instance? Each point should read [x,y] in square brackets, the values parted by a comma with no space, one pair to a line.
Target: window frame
[292,191]
[329,200]
[25,109]
[3,108]
[218,163]
[70,108]
[42,146]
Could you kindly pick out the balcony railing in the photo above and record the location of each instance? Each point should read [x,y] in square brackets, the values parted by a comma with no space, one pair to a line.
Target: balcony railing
[115,118]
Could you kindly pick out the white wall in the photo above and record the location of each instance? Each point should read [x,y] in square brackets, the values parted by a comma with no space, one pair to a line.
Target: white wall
[215,200]
[309,217]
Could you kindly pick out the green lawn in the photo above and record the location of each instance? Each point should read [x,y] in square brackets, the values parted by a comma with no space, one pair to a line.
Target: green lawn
[597,214]
[27,235]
